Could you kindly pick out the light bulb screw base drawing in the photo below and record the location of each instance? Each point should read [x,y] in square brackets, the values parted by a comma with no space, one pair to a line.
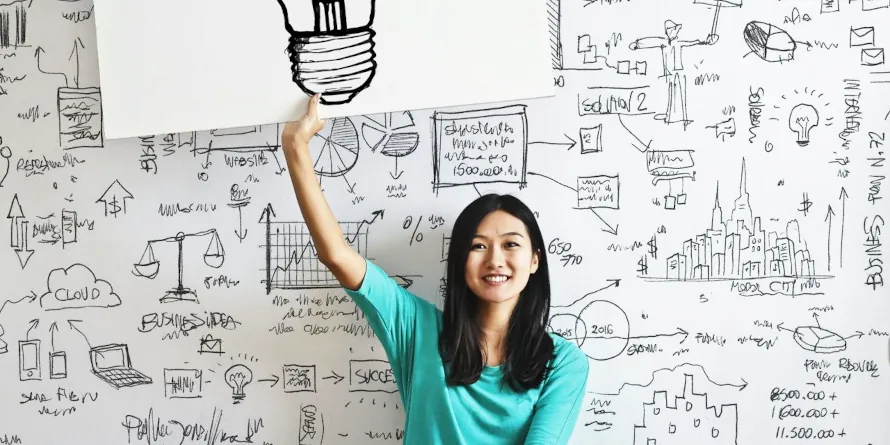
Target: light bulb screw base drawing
[333,59]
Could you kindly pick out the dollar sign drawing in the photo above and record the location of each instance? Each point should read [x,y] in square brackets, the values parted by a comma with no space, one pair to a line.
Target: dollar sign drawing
[114,208]
[644,265]
[653,247]
[805,204]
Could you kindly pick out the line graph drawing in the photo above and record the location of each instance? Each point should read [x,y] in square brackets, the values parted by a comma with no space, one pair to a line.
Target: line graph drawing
[291,258]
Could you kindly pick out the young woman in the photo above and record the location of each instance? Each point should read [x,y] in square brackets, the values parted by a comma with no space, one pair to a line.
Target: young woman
[483,371]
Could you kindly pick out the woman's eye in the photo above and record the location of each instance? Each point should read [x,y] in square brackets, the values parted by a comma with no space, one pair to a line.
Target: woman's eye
[512,244]
[477,246]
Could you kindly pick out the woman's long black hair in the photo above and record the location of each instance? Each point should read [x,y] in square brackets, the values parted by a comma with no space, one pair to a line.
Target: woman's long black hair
[529,348]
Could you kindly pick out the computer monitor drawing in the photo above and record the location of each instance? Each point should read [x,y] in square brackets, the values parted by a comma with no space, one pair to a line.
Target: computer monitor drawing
[111,363]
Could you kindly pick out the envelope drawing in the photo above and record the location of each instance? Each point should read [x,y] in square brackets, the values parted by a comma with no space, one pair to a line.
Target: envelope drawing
[872,56]
[862,36]
[871,5]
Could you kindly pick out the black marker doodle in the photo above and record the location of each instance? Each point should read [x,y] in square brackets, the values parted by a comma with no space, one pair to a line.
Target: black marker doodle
[299,378]
[80,109]
[14,23]
[115,199]
[724,128]
[18,227]
[210,345]
[553,21]
[336,57]
[602,329]
[769,42]
[335,149]
[291,259]
[862,36]
[594,193]
[77,287]
[111,363]
[801,120]
[818,339]
[673,71]
[237,377]
[5,154]
[738,248]
[29,359]
[148,266]
[395,135]
[480,146]
[239,199]
[241,147]
[183,383]
[871,5]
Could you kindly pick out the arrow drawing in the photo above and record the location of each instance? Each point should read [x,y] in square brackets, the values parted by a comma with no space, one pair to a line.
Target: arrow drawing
[76,54]
[71,324]
[30,299]
[18,229]
[740,387]
[53,328]
[680,331]
[612,283]
[358,231]
[334,375]
[241,233]
[115,199]
[570,143]
[828,218]
[37,55]
[274,380]
[34,324]
[843,197]
[612,230]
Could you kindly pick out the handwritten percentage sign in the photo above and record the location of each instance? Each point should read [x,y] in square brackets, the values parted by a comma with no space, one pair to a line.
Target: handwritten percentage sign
[415,236]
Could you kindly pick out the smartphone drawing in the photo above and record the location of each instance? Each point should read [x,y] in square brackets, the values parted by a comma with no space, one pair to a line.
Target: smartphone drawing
[58,365]
[29,360]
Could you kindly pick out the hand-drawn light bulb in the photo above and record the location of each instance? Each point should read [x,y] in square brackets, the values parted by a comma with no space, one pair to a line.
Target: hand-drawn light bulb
[237,377]
[331,46]
[802,119]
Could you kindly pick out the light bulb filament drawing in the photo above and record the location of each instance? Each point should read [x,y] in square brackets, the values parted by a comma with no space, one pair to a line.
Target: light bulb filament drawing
[148,266]
[333,58]
[801,120]
[237,377]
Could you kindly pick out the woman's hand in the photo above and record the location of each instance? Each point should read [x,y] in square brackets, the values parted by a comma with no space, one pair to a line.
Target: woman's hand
[296,134]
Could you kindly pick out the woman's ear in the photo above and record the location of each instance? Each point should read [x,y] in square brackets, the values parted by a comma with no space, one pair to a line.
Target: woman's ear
[535,260]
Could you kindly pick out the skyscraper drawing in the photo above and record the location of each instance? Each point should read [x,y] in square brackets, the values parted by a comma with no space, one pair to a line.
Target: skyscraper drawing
[739,248]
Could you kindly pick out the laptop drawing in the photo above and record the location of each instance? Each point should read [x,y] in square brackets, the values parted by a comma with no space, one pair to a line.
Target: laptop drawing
[111,363]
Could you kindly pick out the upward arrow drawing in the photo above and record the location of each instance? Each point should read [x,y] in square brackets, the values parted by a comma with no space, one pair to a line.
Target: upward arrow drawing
[115,198]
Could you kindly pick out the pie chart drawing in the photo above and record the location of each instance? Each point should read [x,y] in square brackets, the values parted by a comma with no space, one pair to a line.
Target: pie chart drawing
[393,133]
[335,148]
[816,339]
[601,329]
[769,42]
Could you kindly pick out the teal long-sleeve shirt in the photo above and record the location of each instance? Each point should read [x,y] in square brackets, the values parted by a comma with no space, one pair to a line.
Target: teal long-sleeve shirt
[484,413]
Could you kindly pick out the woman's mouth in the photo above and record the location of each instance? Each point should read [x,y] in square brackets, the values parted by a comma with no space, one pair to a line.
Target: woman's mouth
[495,279]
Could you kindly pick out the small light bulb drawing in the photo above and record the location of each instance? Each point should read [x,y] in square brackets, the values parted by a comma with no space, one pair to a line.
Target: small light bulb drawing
[331,46]
[802,119]
[237,377]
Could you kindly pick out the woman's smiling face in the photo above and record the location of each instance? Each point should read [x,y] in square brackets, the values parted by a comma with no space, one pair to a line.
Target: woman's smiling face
[501,258]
